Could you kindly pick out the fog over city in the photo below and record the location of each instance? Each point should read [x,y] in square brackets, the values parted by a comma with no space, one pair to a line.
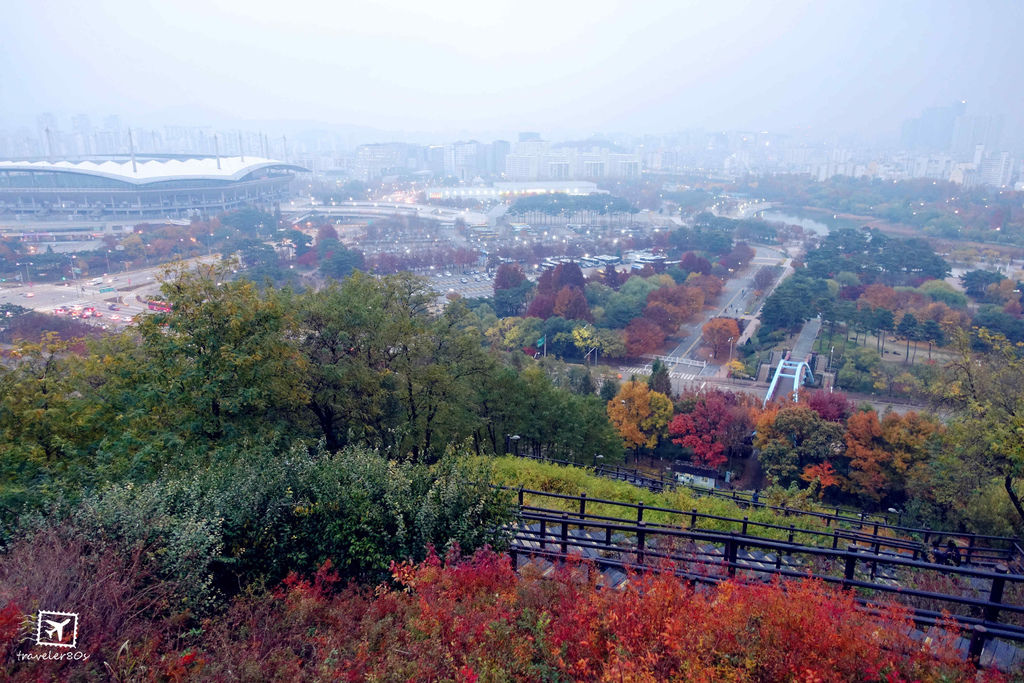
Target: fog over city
[441,71]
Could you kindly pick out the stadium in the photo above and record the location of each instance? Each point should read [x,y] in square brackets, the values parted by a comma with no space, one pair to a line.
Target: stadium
[163,186]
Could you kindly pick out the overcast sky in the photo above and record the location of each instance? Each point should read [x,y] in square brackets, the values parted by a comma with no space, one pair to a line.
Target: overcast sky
[562,68]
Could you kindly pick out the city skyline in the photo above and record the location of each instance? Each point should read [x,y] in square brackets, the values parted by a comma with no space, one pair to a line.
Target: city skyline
[400,71]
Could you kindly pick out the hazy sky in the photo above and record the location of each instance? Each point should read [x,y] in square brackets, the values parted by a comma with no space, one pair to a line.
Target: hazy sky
[563,68]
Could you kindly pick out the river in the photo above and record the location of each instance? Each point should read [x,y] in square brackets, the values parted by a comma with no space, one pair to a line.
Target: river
[805,223]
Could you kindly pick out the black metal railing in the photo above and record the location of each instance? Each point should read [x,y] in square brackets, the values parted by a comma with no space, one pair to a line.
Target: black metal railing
[987,606]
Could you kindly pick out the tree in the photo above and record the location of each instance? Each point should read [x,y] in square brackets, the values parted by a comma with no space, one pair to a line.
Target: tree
[659,380]
[765,277]
[977,281]
[571,304]
[643,336]
[221,363]
[825,476]
[703,429]
[339,262]
[720,332]
[907,329]
[831,406]
[542,306]
[639,415]
[931,332]
[511,290]
[508,276]
[987,391]
[792,437]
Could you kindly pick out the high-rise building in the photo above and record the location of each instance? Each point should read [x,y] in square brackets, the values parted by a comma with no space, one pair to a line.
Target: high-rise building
[933,130]
[971,131]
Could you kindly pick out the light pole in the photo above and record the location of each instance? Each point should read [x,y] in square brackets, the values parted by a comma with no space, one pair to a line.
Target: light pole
[108,262]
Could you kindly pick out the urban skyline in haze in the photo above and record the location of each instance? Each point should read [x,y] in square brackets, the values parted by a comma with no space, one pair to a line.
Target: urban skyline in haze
[405,71]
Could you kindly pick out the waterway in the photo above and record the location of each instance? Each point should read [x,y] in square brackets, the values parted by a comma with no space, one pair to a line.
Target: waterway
[806,223]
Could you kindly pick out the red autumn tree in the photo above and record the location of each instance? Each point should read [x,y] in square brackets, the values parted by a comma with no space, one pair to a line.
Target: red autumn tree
[509,276]
[643,336]
[542,306]
[572,305]
[704,429]
[832,406]
[718,332]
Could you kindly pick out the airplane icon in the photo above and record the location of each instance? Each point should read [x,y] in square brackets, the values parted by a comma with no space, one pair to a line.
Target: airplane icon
[58,628]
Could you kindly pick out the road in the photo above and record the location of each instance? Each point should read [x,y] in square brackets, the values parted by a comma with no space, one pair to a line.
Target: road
[736,299]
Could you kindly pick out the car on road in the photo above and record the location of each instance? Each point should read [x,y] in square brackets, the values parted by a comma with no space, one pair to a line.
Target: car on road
[30,294]
[113,307]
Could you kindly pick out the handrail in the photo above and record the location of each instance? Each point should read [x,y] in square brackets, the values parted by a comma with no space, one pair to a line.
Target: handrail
[731,543]
[974,554]
[863,519]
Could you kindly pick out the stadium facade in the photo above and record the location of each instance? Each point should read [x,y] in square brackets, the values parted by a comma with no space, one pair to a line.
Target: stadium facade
[141,187]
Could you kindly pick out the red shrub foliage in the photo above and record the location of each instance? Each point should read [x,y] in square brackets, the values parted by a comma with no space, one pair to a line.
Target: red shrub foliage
[476,619]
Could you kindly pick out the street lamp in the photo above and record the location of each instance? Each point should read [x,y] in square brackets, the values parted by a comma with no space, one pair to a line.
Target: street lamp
[108,262]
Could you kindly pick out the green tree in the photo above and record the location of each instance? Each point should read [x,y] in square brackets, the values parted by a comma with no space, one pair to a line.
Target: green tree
[794,437]
[659,380]
[221,364]
[987,391]
[908,329]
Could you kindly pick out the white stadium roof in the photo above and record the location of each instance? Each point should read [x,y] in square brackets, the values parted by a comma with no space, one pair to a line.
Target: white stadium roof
[155,170]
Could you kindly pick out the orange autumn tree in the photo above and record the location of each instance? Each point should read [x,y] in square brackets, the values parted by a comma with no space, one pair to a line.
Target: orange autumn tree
[884,454]
[822,473]
[639,415]
[718,332]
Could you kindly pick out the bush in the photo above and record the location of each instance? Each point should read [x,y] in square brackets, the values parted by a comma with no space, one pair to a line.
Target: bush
[476,619]
[259,516]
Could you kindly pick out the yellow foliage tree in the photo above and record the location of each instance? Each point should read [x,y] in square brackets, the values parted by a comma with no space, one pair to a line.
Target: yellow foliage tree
[639,415]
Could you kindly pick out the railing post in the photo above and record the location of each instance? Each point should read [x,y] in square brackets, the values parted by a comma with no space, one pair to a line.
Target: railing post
[744,532]
[608,536]
[543,534]
[583,505]
[791,530]
[970,549]
[979,634]
[641,541]
[731,548]
[520,497]
[851,564]
[565,533]
[639,512]
[693,519]
[995,596]
[835,539]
